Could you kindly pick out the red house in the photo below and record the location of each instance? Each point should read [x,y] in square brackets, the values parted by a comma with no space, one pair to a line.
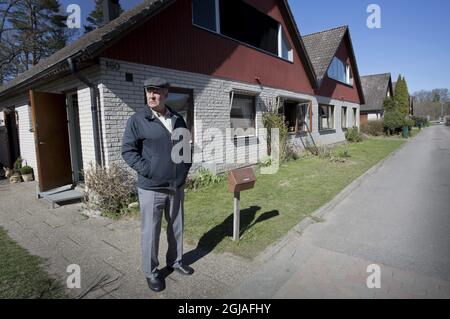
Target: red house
[228,61]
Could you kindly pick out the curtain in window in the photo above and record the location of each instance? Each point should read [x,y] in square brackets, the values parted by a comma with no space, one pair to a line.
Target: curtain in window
[243,112]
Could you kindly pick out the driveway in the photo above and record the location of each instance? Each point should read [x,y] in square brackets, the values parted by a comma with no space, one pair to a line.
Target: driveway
[397,219]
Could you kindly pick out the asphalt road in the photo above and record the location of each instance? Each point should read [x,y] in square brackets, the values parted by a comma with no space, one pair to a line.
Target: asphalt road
[397,219]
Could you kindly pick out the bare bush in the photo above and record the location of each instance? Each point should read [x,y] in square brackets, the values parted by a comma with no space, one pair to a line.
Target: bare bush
[108,189]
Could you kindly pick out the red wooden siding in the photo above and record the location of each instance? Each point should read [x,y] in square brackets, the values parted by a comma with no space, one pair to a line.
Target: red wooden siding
[337,90]
[170,40]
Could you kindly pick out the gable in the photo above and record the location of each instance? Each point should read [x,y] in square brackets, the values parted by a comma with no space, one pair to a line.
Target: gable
[338,90]
[170,40]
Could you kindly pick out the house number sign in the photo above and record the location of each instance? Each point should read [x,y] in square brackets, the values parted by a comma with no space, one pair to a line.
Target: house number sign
[114,66]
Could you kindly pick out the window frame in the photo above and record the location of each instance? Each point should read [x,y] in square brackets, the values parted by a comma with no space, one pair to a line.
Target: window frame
[190,123]
[299,126]
[347,76]
[331,119]
[237,94]
[344,122]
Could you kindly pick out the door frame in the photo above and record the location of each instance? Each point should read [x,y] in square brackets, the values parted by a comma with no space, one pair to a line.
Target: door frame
[73,121]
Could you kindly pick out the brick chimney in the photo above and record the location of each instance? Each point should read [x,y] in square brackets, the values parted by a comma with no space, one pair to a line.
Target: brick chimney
[111,10]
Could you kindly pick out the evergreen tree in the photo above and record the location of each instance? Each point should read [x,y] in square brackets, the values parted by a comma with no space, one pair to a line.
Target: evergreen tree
[95,18]
[389,104]
[41,30]
[402,96]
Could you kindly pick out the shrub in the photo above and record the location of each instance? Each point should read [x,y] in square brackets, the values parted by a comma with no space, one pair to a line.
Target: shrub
[409,123]
[25,170]
[273,120]
[265,162]
[204,178]
[109,190]
[352,135]
[18,164]
[375,128]
[291,154]
[420,121]
[394,122]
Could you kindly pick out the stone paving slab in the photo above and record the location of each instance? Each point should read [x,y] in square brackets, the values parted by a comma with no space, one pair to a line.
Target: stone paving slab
[107,251]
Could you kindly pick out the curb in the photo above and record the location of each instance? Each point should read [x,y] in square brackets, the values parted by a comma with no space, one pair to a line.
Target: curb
[323,211]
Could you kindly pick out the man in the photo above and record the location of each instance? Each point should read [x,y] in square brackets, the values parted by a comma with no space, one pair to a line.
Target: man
[147,147]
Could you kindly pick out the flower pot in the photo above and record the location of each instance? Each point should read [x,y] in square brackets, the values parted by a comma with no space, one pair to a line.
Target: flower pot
[27,177]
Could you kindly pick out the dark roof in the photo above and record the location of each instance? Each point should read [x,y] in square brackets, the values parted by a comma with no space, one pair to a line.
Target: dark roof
[322,47]
[375,88]
[90,44]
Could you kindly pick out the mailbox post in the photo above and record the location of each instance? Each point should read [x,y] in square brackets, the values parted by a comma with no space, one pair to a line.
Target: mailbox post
[239,180]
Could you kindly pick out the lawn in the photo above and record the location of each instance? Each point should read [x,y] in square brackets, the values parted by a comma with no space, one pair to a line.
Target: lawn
[278,202]
[21,274]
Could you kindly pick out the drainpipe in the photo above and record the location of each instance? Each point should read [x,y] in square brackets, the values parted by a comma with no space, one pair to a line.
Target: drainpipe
[94,109]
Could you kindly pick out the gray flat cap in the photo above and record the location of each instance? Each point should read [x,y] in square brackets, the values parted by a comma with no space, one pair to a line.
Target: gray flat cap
[156,82]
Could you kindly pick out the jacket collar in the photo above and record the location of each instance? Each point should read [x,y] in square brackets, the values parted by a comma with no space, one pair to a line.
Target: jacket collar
[151,116]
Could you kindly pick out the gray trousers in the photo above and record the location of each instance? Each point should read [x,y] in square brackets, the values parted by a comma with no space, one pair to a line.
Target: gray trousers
[152,205]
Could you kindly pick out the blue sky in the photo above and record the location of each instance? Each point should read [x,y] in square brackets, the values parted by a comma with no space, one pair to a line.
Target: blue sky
[414,38]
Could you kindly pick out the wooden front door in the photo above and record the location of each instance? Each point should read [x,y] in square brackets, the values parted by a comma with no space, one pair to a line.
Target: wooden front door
[51,139]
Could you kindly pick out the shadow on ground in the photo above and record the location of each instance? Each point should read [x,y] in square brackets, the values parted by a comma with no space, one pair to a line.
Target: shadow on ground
[213,237]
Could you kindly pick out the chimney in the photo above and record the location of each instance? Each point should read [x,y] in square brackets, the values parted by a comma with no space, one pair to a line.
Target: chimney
[111,10]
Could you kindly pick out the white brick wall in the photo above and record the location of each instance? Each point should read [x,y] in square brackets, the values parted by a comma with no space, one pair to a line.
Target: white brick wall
[62,85]
[122,99]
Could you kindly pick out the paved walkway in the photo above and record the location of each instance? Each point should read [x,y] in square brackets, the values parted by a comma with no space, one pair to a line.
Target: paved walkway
[108,252]
[398,218]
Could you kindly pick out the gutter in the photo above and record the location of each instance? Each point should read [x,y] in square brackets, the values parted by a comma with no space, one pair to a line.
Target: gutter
[94,109]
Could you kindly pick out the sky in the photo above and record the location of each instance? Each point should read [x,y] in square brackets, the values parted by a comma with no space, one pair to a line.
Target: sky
[414,38]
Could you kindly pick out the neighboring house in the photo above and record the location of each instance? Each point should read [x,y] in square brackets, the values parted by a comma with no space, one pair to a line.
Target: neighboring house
[72,107]
[377,88]
[339,92]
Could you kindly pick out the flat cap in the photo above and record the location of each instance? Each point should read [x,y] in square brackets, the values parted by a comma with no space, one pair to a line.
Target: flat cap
[156,82]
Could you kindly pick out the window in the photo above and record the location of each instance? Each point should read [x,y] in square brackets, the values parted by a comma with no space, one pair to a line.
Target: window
[355,123]
[296,116]
[340,72]
[204,13]
[285,48]
[181,101]
[326,117]
[240,21]
[243,114]
[344,117]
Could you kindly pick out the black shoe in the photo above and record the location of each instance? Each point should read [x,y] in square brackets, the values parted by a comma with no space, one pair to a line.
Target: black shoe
[156,284]
[182,269]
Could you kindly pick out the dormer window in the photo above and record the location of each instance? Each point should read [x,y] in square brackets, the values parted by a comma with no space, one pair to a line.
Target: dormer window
[340,72]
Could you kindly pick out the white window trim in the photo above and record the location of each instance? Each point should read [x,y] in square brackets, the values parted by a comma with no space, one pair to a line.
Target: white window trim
[253,94]
[346,116]
[280,40]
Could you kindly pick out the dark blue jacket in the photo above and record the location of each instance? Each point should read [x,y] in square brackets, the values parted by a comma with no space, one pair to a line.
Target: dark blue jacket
[147,147]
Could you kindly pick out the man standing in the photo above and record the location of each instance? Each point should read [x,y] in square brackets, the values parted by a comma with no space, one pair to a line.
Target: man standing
[147,147]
